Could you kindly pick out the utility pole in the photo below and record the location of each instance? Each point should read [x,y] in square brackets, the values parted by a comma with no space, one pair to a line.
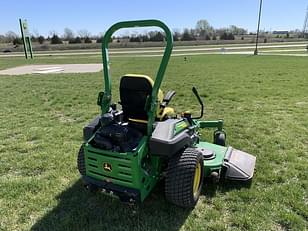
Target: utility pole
[305,27]
[257,40]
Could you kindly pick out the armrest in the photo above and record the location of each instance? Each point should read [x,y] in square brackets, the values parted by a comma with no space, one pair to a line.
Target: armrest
[167,98]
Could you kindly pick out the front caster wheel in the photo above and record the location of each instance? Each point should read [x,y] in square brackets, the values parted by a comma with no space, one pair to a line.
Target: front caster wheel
[220,138]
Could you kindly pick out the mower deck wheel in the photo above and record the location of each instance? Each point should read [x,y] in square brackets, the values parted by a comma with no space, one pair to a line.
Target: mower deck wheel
[184,178]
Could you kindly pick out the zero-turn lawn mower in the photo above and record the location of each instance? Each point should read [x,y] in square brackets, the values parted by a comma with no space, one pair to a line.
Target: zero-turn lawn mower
[127,151]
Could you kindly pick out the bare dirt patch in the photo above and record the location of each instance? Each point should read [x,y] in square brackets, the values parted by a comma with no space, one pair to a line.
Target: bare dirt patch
[55,68]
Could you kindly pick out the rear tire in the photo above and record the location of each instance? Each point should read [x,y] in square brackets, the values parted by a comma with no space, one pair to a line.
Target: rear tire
[82,170]
[81,162]
[184,178]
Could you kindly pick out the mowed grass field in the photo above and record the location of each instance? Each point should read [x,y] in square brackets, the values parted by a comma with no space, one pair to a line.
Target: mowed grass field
[263,100]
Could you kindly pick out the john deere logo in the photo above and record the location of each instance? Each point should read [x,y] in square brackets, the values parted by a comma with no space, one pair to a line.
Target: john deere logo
[107,167]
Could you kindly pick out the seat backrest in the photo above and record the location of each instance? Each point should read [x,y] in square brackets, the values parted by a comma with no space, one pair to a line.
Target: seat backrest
[134,92]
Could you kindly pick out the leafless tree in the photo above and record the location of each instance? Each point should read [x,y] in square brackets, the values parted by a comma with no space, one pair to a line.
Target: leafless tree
[84,33]
[237,30]
[68,34]
[10,36]
[203,27]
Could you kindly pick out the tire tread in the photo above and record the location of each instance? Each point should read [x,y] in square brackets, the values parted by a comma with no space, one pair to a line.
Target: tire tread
[180,178]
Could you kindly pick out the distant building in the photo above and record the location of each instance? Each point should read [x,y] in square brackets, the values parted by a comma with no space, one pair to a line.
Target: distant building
[280,32]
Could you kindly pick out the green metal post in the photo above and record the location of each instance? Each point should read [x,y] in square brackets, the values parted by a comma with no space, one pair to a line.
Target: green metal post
[159,76]
[26,38]
[30,47]
[259,19]
[23,39]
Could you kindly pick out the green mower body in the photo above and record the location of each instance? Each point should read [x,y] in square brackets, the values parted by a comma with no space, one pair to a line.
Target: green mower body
[126,152]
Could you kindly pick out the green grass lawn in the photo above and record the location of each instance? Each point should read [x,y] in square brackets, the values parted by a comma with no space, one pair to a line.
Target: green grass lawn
[262,99]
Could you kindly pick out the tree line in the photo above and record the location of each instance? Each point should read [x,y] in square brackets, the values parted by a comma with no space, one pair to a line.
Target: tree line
[202,31]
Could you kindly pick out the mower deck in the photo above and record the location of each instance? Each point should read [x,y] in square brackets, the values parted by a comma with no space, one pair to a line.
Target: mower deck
[238,165]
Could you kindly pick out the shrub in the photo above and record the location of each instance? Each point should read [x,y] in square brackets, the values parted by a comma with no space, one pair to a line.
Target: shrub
[223,36]
[135,39]
[17,41]
[100,40]
[87,40]
[41,39]
[75,40]
[156,37]
[145,38]
[187,36]
[55,39]
[230,36]
[226,36]
[175,38]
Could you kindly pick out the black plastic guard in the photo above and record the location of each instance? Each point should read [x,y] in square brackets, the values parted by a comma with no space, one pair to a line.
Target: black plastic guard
[89,130]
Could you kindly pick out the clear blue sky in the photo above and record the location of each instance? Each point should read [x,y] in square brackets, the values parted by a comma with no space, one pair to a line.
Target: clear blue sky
[96,16]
